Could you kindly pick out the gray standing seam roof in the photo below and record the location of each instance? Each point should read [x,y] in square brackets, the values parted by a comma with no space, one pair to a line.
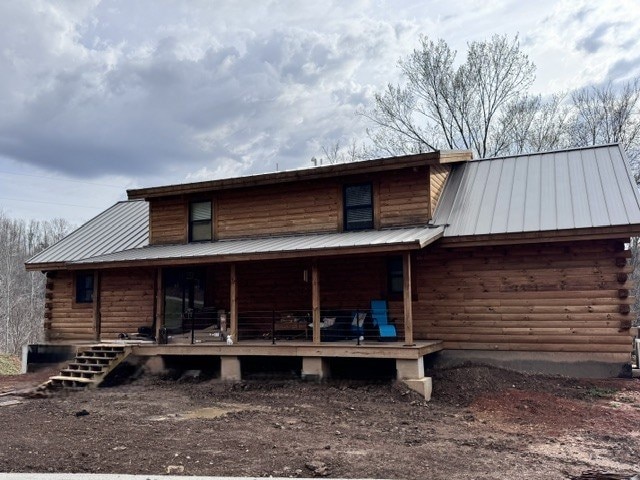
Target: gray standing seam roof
[123,226]
[417,237]
[563,190]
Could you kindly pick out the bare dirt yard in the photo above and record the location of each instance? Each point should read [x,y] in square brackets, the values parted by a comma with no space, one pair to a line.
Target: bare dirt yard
[482,422]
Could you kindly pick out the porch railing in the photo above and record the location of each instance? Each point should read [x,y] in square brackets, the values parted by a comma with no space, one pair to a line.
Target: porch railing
[342,324]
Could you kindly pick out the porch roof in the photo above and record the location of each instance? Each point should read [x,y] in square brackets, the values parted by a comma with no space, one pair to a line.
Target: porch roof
[292,246]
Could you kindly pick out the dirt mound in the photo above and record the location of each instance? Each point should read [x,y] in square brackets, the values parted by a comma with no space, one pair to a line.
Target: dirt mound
[510,427]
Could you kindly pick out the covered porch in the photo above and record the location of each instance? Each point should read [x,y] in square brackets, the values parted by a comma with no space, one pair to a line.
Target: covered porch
[313,287]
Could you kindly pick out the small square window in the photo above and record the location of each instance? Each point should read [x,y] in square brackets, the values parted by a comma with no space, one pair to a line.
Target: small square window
[358,207]
[84,287]
[200,222]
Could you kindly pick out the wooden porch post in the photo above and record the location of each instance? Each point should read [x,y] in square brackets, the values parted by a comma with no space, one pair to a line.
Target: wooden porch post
[315,301]
[406,289]
[159,307]
[233,303]
[96,304]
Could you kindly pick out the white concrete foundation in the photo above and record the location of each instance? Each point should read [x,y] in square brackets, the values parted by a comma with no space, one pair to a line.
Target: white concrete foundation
[423,386]
[230,369]
[409,368]
[315,368]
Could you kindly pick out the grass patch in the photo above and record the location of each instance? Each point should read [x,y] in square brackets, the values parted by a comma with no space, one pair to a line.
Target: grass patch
[9,365]
[597,392]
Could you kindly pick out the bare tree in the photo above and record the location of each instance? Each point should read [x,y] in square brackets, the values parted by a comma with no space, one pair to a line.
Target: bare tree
[444,106]
[22,292]
[606,114]
[534,124]
[337,153]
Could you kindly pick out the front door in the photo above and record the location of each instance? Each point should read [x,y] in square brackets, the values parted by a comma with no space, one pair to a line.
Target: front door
[183,290]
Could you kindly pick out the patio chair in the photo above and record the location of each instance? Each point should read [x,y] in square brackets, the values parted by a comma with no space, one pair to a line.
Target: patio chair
[386,331]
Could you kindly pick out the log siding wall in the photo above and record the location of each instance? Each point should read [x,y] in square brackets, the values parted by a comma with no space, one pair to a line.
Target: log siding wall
[562,297]
[404,198]
[401,198]
[64,319]
[282,209]
[126,301]
[168,221]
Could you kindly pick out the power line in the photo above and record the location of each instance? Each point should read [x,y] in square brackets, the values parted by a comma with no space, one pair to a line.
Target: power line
[50,203]
[60,179]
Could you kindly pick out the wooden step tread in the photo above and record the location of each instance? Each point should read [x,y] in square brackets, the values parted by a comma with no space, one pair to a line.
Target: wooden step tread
[74,371]
[72,379]
[83,368]
[82,357]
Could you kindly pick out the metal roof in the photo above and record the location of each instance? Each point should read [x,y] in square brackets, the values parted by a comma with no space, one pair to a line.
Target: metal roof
[123,226]
[384,239]
[569,189]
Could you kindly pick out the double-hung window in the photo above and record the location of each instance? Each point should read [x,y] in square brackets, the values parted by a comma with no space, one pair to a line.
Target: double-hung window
[200,224]
[358,207]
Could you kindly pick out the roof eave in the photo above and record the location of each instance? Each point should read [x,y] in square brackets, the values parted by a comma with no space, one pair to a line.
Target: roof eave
[327,171]
[587,233]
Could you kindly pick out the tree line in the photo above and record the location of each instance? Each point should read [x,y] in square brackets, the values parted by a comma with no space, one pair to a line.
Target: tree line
[483,103]
[22,292]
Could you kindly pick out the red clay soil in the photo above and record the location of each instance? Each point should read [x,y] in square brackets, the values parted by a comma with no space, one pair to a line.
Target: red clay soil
[482,422]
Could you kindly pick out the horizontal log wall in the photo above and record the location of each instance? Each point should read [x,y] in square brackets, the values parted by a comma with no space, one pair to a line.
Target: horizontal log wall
[404,198]
[437,178]
[401,197]
[280,209]
[126,301]
[64,319]
[168,220]
[561,297]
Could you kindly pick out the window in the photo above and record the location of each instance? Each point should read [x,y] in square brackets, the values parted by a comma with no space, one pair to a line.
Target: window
[84,287]
[200,221]
[358,207]
[394,272]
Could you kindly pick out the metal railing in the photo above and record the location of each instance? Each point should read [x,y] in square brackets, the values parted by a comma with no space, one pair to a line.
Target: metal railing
[341,324]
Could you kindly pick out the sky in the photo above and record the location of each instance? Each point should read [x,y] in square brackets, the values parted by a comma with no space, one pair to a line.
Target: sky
[100,96]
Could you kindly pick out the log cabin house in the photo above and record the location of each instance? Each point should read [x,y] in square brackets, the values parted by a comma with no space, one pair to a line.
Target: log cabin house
[520,260]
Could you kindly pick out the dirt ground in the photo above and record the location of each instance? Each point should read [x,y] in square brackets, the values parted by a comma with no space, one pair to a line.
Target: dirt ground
[482,422]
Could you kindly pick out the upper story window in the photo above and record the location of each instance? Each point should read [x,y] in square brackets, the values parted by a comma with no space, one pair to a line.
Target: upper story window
[358,207]
[84,287]
[200,225]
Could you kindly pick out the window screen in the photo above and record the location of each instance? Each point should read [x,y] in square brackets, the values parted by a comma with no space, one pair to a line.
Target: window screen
[358,207]
[200,221]
[84,287]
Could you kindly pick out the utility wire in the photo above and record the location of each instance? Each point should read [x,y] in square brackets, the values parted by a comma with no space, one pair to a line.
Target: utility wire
[50,203]
[2,172]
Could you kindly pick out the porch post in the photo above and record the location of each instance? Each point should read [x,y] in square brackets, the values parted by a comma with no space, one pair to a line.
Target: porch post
[406,289]
[233,303]
[315,301]
[159,307]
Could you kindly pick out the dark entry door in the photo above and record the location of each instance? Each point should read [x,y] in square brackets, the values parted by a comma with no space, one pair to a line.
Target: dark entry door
[183,289]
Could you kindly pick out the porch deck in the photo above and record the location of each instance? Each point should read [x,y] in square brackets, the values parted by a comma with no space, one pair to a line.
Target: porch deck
[296,348]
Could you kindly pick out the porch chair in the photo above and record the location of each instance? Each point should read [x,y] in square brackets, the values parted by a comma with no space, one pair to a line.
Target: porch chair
[386,331]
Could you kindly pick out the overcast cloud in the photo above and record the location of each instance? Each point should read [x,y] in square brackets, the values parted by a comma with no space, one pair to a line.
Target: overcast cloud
[97,97]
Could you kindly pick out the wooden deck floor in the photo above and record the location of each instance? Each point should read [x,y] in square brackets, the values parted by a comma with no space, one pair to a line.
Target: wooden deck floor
[293,348]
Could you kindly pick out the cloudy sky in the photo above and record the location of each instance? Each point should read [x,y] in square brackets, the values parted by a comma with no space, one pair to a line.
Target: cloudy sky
[100,96]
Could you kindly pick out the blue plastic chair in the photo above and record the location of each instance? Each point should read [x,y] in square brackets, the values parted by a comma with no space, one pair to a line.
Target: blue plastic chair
[387,332]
